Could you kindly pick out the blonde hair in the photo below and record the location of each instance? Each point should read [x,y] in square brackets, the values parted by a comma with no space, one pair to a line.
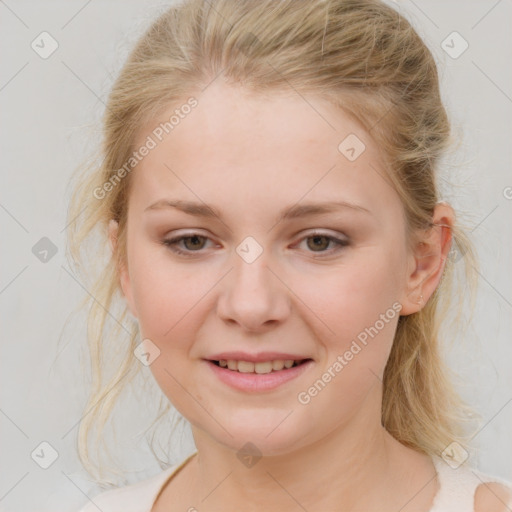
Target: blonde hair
[365,58]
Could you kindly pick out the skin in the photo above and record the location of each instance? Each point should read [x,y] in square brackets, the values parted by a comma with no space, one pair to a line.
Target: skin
[250,157]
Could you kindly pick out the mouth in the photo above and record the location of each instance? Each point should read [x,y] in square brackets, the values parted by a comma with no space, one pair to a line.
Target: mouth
[264,367]
[258,376]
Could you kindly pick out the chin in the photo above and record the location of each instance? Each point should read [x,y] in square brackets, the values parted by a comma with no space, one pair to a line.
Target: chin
[266,438]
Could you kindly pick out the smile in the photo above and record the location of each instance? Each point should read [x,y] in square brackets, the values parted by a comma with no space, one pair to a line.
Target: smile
[260,367]
[257,377]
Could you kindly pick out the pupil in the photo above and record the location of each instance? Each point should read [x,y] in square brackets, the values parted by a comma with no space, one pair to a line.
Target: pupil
[319,237]
[195,238]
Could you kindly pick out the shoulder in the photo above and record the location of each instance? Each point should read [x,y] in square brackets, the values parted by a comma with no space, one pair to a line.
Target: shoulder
[111,500]
[493,497]
[130,498]
[136,497]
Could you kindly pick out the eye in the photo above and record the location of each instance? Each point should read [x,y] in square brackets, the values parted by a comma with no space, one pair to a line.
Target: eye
[318,242]
[193,243]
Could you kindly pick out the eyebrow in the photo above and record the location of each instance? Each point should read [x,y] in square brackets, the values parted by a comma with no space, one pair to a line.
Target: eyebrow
[292,212]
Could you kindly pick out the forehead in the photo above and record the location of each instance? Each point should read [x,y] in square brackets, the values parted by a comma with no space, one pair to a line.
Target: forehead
[235,143]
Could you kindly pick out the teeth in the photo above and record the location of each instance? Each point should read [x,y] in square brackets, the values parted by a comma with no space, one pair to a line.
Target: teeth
[277,365]
[248,367]
[262,367]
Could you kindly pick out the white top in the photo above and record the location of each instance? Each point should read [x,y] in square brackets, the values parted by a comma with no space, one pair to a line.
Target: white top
[456,490]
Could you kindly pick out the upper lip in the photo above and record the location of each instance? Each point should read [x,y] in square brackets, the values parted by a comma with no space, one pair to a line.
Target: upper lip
[256,358]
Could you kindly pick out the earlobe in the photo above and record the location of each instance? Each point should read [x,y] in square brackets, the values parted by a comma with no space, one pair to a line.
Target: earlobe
[429,259]
[124,277]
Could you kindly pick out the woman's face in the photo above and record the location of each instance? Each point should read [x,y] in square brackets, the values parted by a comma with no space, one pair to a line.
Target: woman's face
[268,272]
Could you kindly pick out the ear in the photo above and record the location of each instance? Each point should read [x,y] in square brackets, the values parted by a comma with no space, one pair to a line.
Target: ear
[124,276]
[428,260]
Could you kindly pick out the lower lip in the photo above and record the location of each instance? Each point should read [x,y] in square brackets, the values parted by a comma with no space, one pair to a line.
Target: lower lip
[257,382]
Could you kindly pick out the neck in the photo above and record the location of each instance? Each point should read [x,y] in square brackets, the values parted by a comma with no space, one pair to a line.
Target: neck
[357,456]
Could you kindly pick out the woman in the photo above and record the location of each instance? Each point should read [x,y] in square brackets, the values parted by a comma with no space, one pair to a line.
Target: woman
[268,190]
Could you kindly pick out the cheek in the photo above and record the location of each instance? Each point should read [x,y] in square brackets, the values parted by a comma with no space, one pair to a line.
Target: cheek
[357,310]
[165,293]
[168,300]
[351,295]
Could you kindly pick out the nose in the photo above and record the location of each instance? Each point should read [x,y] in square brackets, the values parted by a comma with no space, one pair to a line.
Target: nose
[254,296]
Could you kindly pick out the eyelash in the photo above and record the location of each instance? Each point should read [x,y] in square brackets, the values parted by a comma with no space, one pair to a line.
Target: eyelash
[172,243]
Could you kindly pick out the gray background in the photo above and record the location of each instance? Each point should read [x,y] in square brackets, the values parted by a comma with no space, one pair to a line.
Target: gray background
[50,109]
